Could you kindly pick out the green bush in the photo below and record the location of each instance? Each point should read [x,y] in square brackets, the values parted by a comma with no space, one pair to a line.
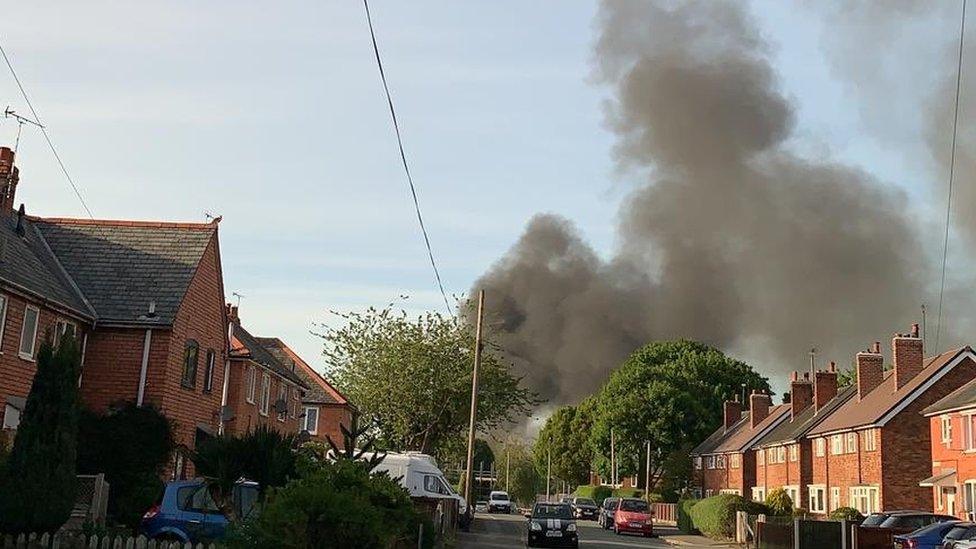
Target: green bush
[339,505]
[595,492]
[846,513]
[685,524]
[780,503]
[715,516]
[628,493]
[131,445]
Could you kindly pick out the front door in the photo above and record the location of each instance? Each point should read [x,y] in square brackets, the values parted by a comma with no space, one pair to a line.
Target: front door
[950,500]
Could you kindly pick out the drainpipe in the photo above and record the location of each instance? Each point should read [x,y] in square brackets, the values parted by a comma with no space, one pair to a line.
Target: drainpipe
[226,384]
[151,315]
[81,368]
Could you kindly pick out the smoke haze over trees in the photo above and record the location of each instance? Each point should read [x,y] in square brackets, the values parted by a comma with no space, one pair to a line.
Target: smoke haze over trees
[733,239]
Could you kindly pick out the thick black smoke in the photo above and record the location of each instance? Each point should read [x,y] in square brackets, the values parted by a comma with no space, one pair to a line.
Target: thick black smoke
[733,240]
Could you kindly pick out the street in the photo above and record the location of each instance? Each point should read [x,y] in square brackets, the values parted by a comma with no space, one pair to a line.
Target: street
[497,531]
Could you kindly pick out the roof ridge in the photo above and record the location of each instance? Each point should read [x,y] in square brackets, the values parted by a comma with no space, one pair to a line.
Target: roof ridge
[125,223]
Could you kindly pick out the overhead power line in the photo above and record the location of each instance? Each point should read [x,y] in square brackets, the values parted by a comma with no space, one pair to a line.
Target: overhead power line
[952,167]
[403,159]
[43,129]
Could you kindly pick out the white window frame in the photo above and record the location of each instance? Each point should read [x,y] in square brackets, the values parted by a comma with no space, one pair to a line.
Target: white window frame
[761,457]
[633,481]
[864,499]
[759,493]
[817,494]
[61,328]
[731,491]
[11,417]
[870,440]
[836,445]
[698,463]
[735,461]
[821,447]
[794,492]
[314,428]
[946,429]
[282,395]
[251,383]
[33,337]
[850,445]
[720,461]
[835,502]
[967,430]
[709,462]
[794,453]
[4,302]
[265,394]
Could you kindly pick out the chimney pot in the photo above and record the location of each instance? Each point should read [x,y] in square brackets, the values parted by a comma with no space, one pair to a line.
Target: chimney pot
[833,366]
[876,348]
[915,330]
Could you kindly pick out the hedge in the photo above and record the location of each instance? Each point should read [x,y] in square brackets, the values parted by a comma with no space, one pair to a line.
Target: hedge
[846,513]
[715,516]
[685,524]
[599,493]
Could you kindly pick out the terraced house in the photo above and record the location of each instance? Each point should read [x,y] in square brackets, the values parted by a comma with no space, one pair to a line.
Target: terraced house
[145,299]
[726,461]
[952,428]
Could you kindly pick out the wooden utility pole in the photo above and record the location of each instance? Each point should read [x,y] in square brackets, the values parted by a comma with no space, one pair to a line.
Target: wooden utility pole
[474,398]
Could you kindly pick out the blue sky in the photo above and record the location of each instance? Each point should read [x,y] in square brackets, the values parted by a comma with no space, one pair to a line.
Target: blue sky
[272,115]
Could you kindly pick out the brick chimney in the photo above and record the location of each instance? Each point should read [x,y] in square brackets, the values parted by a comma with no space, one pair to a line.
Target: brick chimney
[824,386]
[759,404]
[731,413]
[870,370]
[802,394]
[232,315]
[9,176]
[907,355]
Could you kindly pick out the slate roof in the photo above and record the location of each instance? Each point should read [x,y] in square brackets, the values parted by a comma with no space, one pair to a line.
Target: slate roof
[122,266]
[320,391]
[793,429]
[718,436]
[27,262]
[739,437]
[875,405]
[245,345]
[963,397]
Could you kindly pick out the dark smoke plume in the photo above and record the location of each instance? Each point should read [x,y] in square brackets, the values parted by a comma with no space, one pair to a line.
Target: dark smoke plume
[733,240]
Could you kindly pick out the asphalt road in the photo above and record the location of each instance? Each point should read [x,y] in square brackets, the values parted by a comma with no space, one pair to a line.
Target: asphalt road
[503,531]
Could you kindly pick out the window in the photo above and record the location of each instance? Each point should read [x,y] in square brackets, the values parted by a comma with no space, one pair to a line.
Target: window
[794,493]
[834,498]
[781,454]
[709,462]
[946,430]
[759,493]
[251,383]
[311,423]
[709,493]
[281,405]
[265,394]
[720,462]
[3,318]
[732,491]
[821,447]
[761,457]
[208,371]
[836,445]
[698,462]
[794,452]
[735,461]
[11,417]
[864,499]
[190,357]
[969,498]
[818,498]
[968,431]
[870,440]
[64,327]
[851,443]
[28,332]
[434,485]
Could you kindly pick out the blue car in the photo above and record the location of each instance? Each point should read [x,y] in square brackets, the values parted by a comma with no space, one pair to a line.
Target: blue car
[187,512]
[926,537]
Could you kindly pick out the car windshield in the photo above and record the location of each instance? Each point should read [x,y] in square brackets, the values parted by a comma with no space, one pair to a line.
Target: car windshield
[907,521]
[961,532]
[499,497]
[609,503]
[633,506]
[875,519]
[585,501]
[551,510]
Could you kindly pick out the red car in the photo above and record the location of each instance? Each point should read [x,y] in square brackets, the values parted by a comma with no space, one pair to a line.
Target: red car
[635,516]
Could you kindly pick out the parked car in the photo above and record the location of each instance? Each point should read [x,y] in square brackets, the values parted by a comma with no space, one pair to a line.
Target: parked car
[875,519]
[499,502]
[909,522]
[552,524]
[633,516]
[607,510]
[584,508]
[481,506]
[961,531]
[188,513]
[926,537]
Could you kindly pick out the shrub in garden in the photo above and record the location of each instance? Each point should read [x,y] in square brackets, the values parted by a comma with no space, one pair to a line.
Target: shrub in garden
[685,524]
[715,516]
[131,445]
[38,486]
[780,503]
[596,493]
[846,513]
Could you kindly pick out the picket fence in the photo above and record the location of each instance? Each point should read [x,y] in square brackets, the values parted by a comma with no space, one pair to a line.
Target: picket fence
[80,541]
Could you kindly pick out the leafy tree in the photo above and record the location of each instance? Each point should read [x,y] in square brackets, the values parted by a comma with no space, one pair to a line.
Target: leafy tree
[413,377]
[566,433]
[38,487]
[779,502]
[131,445]
[669,394]
[518,474]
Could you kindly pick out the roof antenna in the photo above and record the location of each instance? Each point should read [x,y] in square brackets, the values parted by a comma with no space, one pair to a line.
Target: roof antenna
[813,363]
[211,217]
[238,296]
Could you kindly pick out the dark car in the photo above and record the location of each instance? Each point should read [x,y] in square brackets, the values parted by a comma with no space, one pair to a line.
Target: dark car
[633,516]
[875,519]
[552,524]
[606,512]
[909,522]
[927,537]
[188,513]
[584,508]
[960,531]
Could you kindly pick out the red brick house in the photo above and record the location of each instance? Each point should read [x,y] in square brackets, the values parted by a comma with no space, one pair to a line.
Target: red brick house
[146,299]
[725,461]
[261,390]
[784,457]
[866,452]
[952,429]
[324,408]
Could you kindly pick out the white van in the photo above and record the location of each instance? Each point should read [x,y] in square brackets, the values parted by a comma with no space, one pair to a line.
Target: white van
[420,475]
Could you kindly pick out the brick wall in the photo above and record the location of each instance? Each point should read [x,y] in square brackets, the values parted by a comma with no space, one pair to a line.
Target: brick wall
[789,473]
[247,415]
[330,417]
[113,360]
[952,455]
[725,477]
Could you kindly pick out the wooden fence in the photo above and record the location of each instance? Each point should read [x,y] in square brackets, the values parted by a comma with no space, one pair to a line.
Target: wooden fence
[665,513]
[80,541]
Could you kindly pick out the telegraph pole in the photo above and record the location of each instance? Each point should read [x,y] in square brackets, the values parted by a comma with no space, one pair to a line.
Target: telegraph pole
[508,462]
[613,461]
[474,397]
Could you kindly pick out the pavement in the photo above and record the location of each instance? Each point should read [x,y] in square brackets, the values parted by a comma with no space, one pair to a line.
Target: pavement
[504,531]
